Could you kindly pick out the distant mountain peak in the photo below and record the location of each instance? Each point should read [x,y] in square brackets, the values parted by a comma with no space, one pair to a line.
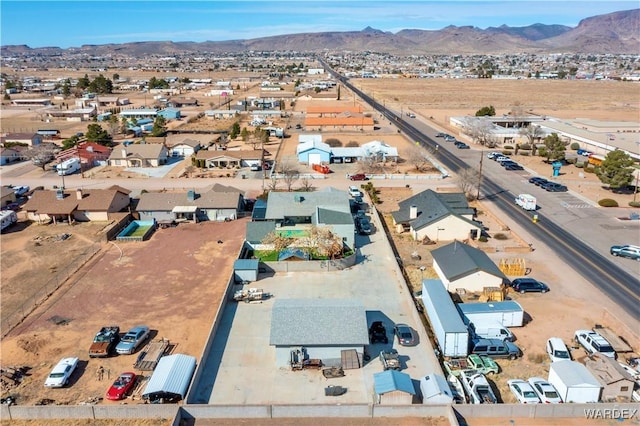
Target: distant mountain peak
[372,30]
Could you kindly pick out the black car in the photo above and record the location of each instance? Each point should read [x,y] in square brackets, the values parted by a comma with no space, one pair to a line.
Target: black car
[462,145]
[378,333]
[553,187]
[513,167]
[526,285]
[537,180]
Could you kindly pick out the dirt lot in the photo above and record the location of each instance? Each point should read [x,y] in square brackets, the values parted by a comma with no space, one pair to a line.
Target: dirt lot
[172,282]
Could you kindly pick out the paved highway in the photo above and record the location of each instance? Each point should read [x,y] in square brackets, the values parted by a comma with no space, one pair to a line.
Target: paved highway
[622,286]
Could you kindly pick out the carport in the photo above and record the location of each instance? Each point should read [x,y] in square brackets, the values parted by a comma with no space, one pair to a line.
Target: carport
[170,380]
[185,213]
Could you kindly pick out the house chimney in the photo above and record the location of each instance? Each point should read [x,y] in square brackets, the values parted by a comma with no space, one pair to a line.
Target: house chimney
[79,194]
[413,212]
[124,153]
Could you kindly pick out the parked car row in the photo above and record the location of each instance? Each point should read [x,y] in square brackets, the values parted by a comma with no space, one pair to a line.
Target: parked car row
[548,185]
[534,391]
[406,335]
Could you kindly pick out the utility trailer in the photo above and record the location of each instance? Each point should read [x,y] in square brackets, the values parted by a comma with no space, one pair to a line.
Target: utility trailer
[151,354]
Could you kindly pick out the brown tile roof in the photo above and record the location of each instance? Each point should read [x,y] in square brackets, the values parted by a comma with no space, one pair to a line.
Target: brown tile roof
[45,202]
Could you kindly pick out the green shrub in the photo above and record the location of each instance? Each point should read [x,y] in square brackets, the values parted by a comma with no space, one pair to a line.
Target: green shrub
[483,238]
[571,160]
[508,147]
[500,236]
[579,164]
[525,153]
[506,152]
[588,169]
[634,203]
[608,202]
[526,146]
[575,146]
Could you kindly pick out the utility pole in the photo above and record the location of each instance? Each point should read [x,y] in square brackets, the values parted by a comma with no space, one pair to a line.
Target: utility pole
[480,177]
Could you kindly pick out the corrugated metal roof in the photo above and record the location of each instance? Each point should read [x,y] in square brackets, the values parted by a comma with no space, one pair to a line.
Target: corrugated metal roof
[447,314]
[392,380]
[171,376]
[318,322]
[457,260]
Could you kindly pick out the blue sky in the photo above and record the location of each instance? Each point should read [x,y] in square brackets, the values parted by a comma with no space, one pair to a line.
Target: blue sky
[74,23]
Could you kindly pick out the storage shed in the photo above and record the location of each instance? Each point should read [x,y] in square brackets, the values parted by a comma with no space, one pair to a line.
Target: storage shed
[170,380]
[435,390]
[451,334]
[324,327]
[245,270]
[574,382]
[616,383]
[509,313]
[393,388]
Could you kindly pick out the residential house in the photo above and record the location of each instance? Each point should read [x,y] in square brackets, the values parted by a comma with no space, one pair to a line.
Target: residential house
[170,114]
[7,196]
[459,265]
[90,153]
[434,216]
[216,203]
[77,114]
[393,388]
[139,155]
[295,213]
[31,102]
[9,155]
[138,113]
[30,139]
[220,114]
[231,159]
[185,148]
[81,205]
[325,328]
[617,384]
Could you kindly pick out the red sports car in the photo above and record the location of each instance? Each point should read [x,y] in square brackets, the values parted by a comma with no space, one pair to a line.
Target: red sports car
[123,384]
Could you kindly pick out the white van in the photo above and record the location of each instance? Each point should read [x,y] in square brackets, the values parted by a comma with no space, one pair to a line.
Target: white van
[491,330]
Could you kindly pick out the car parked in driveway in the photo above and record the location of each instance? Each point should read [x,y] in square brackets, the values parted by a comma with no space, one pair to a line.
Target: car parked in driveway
[378,333]
[132,340]
[59,376]
[545,391]
[364,226]
[121,386]
[496,348]
[529,285]
[629,251]
[523,391]
[405,334]
[557,350]
[358,176]
[354,191]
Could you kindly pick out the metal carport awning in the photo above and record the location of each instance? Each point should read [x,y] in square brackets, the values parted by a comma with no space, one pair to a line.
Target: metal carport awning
[184,209]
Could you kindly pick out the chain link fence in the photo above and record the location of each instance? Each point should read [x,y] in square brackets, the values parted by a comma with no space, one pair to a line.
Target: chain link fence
[9,320]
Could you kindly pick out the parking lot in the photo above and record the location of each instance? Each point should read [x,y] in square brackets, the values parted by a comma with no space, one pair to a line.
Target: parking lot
[241,368]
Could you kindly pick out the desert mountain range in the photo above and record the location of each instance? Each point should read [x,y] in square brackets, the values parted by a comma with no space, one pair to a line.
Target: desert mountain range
[616,33]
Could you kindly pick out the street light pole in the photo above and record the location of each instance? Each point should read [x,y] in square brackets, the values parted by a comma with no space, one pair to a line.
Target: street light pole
[480,177]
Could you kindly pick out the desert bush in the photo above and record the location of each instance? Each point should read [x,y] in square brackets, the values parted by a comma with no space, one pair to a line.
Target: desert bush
[524,153]
[571,160]
[507,147]
[608,202]
[536,357]
[634,203]
[579,164]
[333,142]
[525,146]
[588,169]
[506,152]
[575,146]
[352,144]
[500,236]
[483,238]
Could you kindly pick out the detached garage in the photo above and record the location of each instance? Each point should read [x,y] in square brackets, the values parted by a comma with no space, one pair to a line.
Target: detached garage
[325,328]
[170,380]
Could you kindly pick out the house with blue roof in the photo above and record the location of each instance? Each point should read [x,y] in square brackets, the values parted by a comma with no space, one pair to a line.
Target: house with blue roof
[434,216]
[393,387]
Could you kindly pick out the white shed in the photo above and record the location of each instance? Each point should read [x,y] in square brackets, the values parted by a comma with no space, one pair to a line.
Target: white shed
[170,380]
[435,390]
[574,382]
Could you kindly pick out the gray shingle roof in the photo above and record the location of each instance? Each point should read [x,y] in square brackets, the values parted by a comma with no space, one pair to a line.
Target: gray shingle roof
[314,322]
[166,201]
[457,260]
[432,206]
[287,204]
[256,231]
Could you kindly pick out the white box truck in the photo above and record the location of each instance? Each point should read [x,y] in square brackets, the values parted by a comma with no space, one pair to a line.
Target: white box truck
[451,333]
[508,313]
[68,166]
[526,201]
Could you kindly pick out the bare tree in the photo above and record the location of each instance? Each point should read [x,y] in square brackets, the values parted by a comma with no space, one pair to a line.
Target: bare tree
[278,241]
[325,242]
[370,164]
[468,181]
[306,186]
[273,183]
[533,134]
[480,131]
[41,154]
[290,174]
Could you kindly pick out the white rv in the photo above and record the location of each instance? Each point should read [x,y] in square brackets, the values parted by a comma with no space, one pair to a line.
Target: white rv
[526,201]
[8,218]
[68,166]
